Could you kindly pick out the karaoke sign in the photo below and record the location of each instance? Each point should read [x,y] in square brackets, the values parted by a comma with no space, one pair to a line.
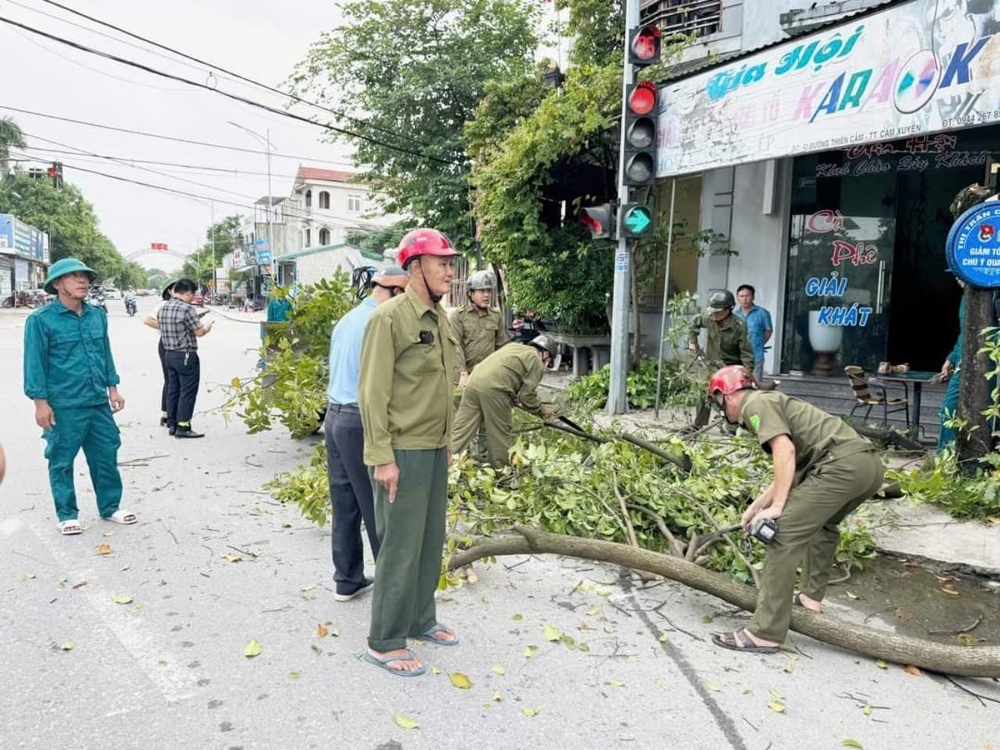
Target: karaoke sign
[921,67]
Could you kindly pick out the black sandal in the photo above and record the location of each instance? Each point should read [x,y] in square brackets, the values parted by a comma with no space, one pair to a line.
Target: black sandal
[740,640]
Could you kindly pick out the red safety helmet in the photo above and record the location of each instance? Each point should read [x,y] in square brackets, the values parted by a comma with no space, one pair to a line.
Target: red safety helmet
[424,242]
[730,379]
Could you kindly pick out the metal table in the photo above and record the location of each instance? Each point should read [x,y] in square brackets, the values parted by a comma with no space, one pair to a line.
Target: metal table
[916,378]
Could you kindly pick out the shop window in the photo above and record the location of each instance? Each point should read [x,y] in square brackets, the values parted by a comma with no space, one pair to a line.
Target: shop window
[324,234]
[309,198]
[324,200]
[354,204]
[694,17]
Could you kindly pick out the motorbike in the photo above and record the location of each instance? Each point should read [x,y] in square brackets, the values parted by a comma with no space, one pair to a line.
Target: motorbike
[97,300]
[130,307]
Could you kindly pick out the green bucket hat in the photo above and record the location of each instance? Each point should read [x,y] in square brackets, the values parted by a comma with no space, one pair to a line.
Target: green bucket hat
[167,288]
[63,267]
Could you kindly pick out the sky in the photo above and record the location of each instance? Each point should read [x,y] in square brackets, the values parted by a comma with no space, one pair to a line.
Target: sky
[253,38]
[256,39]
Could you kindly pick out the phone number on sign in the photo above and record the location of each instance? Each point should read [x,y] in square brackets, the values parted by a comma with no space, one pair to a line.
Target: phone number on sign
[976,118]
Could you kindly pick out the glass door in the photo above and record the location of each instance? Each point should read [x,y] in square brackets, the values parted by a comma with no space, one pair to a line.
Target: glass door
[838,292]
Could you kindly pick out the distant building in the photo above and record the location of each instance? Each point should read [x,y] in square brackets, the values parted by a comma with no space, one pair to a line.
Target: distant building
[24,255]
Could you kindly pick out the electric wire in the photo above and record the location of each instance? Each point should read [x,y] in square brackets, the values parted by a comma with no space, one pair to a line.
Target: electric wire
[213,67]
[228,95]
[175,139]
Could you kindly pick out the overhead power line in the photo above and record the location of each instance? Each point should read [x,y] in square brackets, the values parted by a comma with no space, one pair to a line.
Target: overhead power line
[237,76]
[228,95]
[175,139]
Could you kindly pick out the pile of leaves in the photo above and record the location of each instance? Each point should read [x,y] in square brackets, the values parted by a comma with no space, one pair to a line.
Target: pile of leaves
[941,482]
[291,387]
[616,492]
[683,385]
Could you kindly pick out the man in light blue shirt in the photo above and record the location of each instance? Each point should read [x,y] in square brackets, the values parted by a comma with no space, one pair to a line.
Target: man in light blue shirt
[350,486]
[759,327]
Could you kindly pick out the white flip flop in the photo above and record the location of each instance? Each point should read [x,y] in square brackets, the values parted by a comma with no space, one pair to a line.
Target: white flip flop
[124,517]
[70,527]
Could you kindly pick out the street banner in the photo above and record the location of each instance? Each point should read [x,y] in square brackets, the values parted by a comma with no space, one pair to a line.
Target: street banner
[922,67]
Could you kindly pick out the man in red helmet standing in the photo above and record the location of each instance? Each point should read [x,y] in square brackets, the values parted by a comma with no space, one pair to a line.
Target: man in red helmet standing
[408,365]
[823,470]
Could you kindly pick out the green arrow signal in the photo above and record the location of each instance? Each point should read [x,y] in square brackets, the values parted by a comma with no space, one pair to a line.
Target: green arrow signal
[638,220]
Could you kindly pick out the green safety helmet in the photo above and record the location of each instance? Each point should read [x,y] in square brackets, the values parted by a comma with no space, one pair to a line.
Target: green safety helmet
[167,288]
[63,267]
[545,344]
[721,300]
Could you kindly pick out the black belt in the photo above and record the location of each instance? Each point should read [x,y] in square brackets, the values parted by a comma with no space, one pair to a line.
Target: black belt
[344,408]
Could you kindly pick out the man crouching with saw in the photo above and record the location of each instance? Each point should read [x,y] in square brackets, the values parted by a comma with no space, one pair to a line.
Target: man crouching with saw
[823,470]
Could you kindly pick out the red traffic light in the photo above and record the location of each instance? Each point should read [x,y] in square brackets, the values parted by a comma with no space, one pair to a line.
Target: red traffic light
[51,172]
[642,98]
[644,45]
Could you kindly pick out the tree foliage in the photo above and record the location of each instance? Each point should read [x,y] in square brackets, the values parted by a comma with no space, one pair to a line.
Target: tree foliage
[292,387]
[410,73]
[10,137]
[201,264]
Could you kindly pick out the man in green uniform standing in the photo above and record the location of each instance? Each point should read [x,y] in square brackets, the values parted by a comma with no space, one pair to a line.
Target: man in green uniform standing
[477,327]
[823,470]
[728,342]
[408,367]
[507,378]
[70,374]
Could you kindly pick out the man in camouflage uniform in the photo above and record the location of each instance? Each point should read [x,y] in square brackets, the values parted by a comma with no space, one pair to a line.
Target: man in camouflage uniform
[823,470]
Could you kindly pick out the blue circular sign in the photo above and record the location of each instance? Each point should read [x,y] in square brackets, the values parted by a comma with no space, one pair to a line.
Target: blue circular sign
[973,247]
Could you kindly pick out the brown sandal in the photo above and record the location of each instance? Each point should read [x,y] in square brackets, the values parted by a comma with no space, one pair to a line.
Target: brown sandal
[740,640]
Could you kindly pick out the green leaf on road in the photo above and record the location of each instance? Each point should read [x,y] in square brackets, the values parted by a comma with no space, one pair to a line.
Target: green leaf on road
[852,743]
[294,674]
[615,683]
[777,707]
[121,599]
[459,680]
[777,694]
[67,645]
[405,723]
[711,687]
[867,710]
[529,712]
[529,651]
[551,633]
[881,664]
[253,648]
[517,618]
[499,670]
[663,638]
[706,619]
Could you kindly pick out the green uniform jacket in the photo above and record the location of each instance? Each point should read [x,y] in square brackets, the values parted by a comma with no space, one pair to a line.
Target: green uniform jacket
[727,341]
[67,357]
[816,435]
[515,370]
[478,334]
[407,370]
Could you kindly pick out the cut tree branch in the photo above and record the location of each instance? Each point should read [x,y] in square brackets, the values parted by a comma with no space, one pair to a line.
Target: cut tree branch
[968,661]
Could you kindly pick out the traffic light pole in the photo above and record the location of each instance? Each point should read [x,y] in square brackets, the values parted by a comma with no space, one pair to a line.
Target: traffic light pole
[617,395]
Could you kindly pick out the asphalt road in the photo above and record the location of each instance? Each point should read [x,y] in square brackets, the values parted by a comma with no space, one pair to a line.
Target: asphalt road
[167,669]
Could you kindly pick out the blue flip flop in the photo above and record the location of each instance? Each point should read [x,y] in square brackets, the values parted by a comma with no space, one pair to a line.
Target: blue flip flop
[384,663]
[428,635]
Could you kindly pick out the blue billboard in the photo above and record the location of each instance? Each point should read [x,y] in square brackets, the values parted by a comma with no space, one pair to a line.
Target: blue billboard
[23,240]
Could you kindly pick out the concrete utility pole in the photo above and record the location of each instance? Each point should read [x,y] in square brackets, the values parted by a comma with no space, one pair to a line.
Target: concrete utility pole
[617,396]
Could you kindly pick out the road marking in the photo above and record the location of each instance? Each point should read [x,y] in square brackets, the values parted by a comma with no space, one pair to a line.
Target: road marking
[126,624]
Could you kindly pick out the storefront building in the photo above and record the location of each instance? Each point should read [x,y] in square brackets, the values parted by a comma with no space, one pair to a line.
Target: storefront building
[826,166]
[24,255]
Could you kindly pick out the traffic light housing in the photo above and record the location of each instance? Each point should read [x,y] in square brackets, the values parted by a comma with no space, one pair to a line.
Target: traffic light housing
[644,45]
[640,134]
[636,220]
[600,220]
[55,174]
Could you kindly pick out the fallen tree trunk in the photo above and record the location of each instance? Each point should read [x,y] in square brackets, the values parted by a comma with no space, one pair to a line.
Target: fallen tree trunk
[974,661]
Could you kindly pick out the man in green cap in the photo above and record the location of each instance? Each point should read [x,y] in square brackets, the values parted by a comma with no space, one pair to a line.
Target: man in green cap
[727,340]
[408,367]
[507,378]
[70,374]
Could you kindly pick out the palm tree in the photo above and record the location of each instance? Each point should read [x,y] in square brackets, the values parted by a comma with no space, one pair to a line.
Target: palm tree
[10,137]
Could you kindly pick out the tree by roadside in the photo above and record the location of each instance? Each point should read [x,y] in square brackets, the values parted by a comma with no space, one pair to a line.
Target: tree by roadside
[228,236]
[409,74]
